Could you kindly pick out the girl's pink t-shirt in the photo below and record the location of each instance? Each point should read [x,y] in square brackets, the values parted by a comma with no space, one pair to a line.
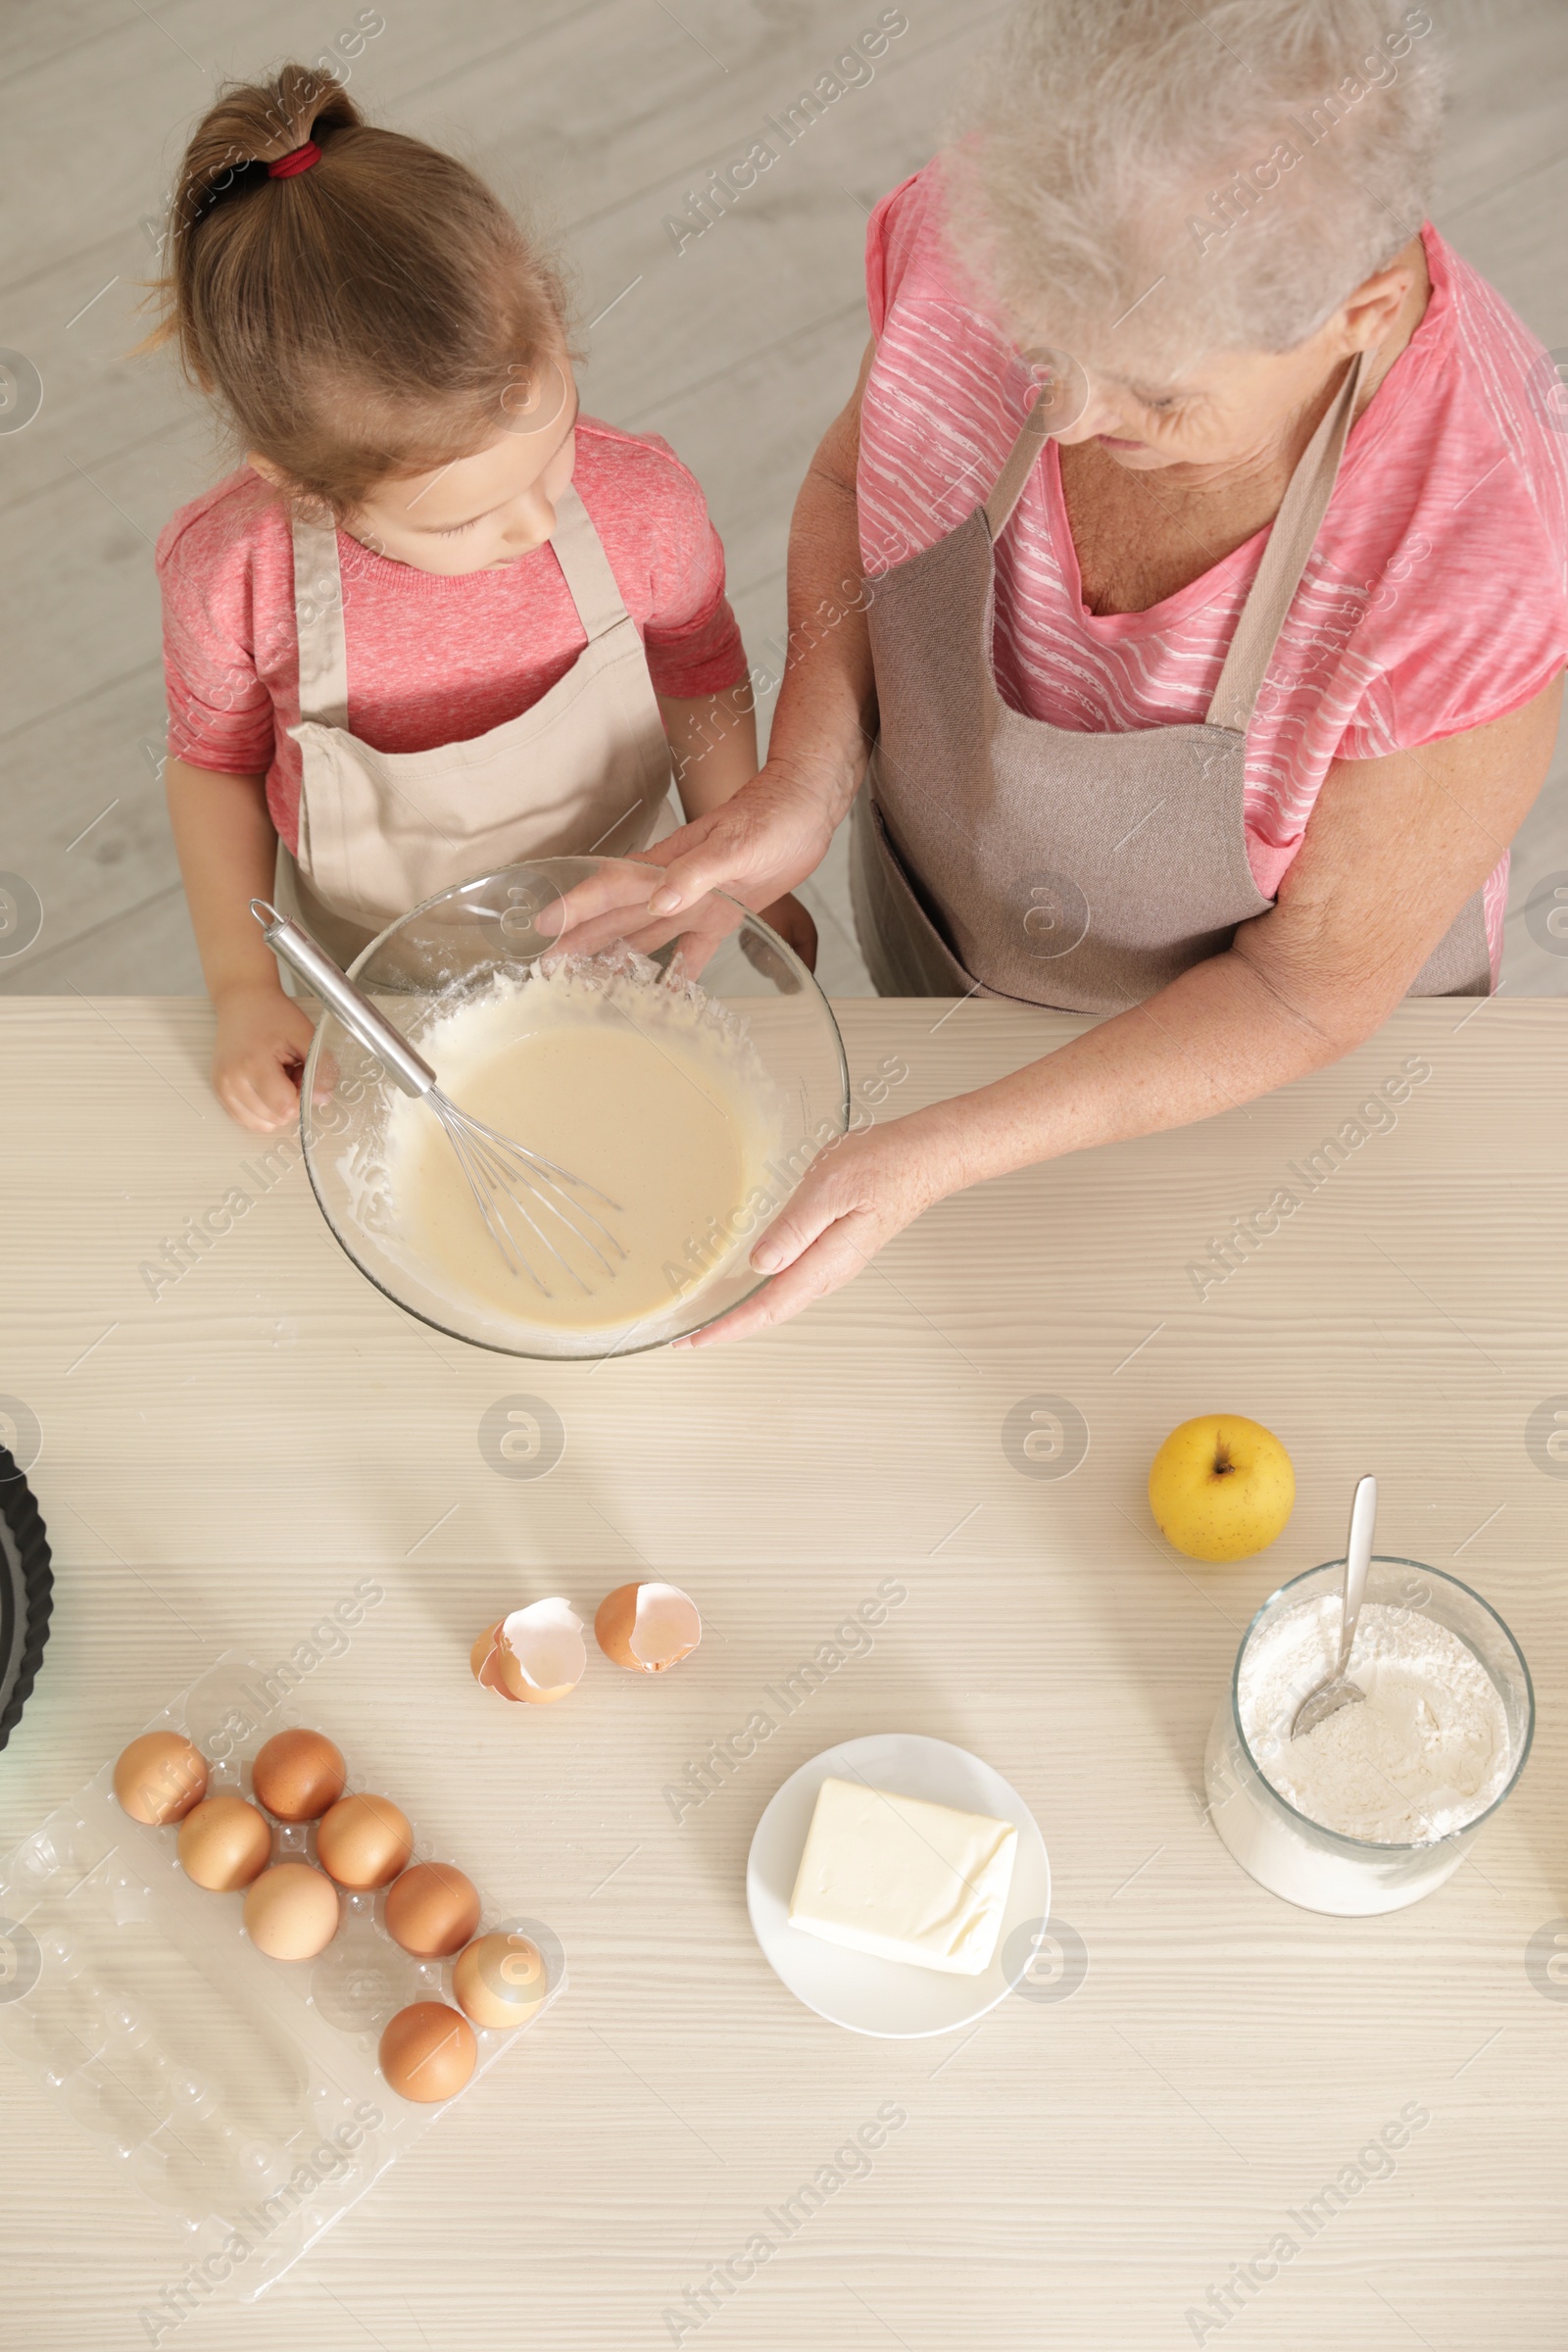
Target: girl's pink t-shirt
[431,661]
[1435,598]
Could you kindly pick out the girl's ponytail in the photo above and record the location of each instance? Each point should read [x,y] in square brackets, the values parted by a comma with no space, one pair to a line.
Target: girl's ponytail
[252,124]
[360,318]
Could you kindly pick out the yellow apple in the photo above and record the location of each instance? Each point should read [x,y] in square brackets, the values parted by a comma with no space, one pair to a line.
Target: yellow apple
[1221,1487]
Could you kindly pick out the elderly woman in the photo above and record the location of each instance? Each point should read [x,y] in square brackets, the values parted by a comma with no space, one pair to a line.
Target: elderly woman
[1198,668]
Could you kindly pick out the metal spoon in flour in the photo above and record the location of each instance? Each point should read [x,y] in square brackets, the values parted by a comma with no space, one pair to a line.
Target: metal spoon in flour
[1338,1690]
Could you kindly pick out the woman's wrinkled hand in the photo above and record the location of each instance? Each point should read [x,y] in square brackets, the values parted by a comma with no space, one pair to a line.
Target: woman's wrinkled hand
[754,847]
[854,1197]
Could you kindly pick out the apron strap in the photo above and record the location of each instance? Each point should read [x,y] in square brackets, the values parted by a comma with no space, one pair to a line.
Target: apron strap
[1284,557]
[318,602]
[585,567]
[318,623]
[1015,473]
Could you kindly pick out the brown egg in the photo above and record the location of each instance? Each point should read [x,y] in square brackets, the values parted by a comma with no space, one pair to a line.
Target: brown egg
[500,1982]
[428,2052]
[364,1841]
[291,1911]
[225,1844]
[160,1777]
[647,1627]
[296,1775]
[432,1910]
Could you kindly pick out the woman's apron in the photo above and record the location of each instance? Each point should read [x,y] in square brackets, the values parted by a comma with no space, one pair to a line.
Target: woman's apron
[587,769]
[997,855]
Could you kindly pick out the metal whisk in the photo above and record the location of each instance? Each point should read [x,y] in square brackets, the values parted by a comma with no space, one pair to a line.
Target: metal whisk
[510,1183]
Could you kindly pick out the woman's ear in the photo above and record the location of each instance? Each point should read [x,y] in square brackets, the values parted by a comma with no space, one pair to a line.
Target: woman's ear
[1376,304]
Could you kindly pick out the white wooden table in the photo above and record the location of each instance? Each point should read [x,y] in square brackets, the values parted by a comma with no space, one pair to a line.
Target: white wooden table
[223,1461]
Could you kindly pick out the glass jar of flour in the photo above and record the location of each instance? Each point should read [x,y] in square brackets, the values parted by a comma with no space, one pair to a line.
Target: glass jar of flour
[1382,1801]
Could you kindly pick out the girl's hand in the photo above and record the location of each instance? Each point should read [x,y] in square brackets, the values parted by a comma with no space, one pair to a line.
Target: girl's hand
[262,1039]
[854,1197]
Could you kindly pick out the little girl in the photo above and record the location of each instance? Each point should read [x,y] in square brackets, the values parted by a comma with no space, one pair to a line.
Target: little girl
[438,620]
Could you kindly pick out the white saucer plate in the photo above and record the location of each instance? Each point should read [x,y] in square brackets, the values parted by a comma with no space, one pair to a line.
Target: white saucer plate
[891,1998]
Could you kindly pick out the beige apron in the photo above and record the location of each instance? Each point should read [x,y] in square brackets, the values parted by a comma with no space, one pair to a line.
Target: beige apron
[993,853]
[587,769]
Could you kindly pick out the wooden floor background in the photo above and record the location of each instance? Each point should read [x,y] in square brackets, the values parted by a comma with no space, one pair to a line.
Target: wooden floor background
[598,116]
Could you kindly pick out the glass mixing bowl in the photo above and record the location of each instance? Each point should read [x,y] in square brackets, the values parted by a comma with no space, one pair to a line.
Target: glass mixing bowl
[450,951]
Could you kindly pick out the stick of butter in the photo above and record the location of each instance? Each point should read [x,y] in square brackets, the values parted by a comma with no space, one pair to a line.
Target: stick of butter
[904,1879]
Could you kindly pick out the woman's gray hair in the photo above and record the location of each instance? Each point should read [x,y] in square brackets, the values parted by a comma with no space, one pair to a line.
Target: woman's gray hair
[1140,182]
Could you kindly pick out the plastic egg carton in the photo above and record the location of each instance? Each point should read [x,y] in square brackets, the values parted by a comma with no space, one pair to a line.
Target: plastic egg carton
[242,2094]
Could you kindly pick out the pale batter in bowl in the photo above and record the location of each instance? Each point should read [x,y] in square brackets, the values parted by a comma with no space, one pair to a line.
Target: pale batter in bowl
[697,1099]
[650,1092]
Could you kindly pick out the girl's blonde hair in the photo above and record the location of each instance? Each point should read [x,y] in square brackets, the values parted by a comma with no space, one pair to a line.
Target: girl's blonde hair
[361,319]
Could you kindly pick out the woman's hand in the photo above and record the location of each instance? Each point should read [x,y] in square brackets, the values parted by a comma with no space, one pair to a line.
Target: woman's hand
[1394,848]
[262,1039]
[854,1197]
[756,846]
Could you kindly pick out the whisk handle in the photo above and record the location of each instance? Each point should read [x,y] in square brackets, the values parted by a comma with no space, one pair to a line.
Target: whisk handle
[294,945]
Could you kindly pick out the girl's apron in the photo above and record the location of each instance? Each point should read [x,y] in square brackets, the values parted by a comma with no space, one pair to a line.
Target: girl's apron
[587,769]
[996,855]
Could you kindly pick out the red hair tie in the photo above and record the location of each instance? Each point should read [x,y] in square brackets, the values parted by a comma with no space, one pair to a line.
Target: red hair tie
[299,160]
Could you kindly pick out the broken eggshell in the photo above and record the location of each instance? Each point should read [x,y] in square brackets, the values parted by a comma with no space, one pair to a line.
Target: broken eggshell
[648,1628]
[485,1659]
[537,1653]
